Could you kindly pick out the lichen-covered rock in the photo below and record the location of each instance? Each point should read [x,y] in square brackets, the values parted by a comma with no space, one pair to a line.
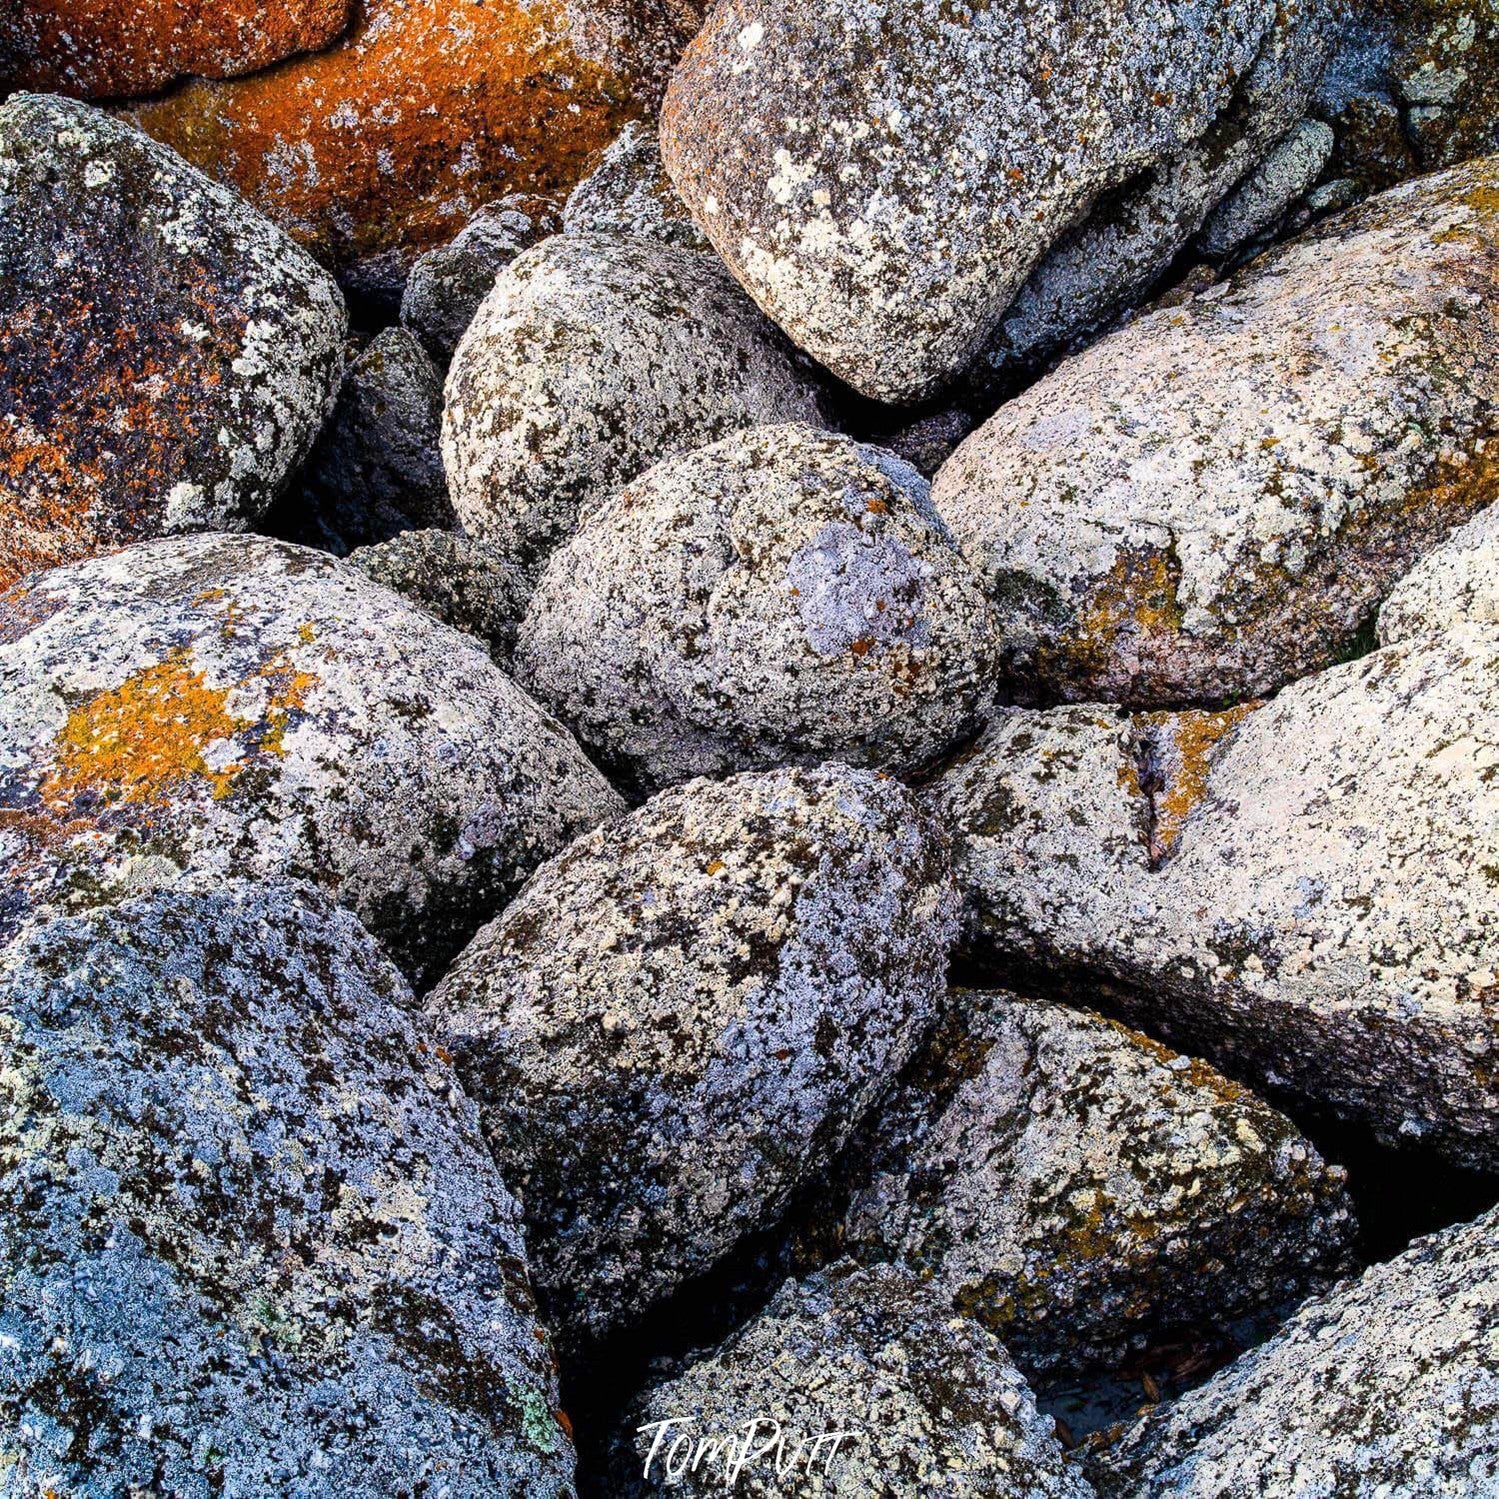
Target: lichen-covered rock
[459,580]
[447,284]
[927,1405]
[1260,200]
[235,705]
[1213,500]
[1455,584]
[1300,891]
[883,177]
[682,1017]
[1083,1191]
[166,355]
[254,1242]
[111,49]
[384,145]
[1445,71]
[1387,1386]
[629,193]
[782,596]
[376,469]
[592,358]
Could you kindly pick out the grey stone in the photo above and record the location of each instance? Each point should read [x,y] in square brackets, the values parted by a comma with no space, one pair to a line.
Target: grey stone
[681,1018]
[591,359]
[254,1242]
[236,705]
[1260,200]
[629,193]
[783,595]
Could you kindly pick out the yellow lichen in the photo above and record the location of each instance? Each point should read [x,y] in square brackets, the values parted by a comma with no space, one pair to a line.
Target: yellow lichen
[1192,740]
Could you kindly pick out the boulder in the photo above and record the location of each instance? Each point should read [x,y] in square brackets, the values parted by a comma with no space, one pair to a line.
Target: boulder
[1301,892]
[383,145]
[592,358]
[629,193]
[1212,501]
[111,49]
[1457,583]
[1085,1192]
[235,705]
[783,595]
[166,355]
[1385,1387]
[460,581]
[681,1018]
[884,177]
[1259,202]
[851,1383]
[255,1244]
[449,281]
[376,469]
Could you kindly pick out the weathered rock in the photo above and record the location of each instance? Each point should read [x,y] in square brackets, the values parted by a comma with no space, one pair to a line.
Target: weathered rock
[1386,1386]
[166,356]
[1301,891]
[447,284]
[629,193]
[1445,71]
[460,581]
[684,1015]
[1260,200]
[782,596]
[235,705]
[1455,584]
[928,441]
[376,469]
[1083,1191]
[884,177]
[928,1405]
[1212,501]
[385,144]
[591,359]
[101,49]
[254,1239]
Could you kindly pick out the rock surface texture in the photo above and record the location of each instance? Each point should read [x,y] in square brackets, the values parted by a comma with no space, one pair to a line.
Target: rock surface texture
[783,595]
[930,1405]
[883,177]
[591,359]
[166,355]
[1386,1386]
[683,1016]
[1457,583]
[1213,501]
[1300,891]
[384,145]
[629,193]
[1081,1190]
[253,1237]
[101,49]
[234,705]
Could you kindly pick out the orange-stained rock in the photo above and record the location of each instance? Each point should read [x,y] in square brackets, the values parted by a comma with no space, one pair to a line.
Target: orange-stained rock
[100,49]
[384,145]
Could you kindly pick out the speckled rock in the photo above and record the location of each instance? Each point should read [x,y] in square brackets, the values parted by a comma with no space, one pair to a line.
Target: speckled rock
[461,581]
[1387,1386]
[930,1405]
[782,596]
[235,705]
[447,284]
[1083,1191]
[376,469]
[883,177]
[1300,891]
[1212,501]
[1444,66]
[1263,197]
[102,49]
[166,356]
[384,145]
[254,1239]
[682,1017]
[1456,583]
[591,359]
[629,193]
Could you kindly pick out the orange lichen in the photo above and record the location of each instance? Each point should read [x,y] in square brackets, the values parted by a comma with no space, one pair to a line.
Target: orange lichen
[1135,604]
[425,111]
[1184,759]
